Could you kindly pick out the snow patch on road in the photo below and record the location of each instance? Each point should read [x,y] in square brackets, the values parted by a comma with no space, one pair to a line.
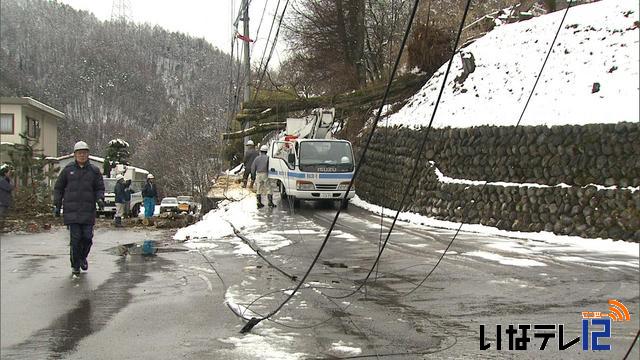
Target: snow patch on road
[265,343]
[552,241]
[237,295]
[582,260]
[504,260]
[214,231]
[342,348]
[269,241]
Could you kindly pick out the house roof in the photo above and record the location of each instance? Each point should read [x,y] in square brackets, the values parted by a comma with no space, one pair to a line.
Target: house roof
[91,157]
[98,159]
[32,102]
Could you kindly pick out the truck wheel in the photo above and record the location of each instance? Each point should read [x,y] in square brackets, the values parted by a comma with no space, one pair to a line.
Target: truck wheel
[344,204]
[283,192]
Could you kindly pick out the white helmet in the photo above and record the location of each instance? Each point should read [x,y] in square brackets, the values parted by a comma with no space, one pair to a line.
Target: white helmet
[150,176]
[264,148]
[119,177]
[250,143]
[80,145]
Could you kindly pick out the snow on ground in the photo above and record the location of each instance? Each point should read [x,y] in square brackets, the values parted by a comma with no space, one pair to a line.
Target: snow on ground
[236,170]
[215,228]
[598,43]
[449,180]
[264,341]
[505,260]
[540,241]
[341,348]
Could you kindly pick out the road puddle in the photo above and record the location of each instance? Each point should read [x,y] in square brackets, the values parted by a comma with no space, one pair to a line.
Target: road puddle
[91,314]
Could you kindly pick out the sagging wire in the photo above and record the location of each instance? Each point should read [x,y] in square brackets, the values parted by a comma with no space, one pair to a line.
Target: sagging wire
[264,51]
[254,321]
[259,252]
[273,46]
[264,10]
[420,150]
[544,63]
[277,322]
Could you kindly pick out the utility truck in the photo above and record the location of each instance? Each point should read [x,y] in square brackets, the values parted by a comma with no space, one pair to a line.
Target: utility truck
[307,163]
[137,176]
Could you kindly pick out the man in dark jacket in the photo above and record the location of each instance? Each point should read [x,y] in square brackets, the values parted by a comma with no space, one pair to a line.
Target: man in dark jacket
[6,187]
[119,193]
[78,188]
[260,170]
[149,195]
[249,155]
[127,199]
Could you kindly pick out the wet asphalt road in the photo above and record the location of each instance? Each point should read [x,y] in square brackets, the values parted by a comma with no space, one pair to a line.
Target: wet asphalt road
[172,305]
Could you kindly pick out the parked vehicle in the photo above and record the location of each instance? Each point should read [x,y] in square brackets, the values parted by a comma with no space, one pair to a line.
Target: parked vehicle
[137,176]
[307,163]
[169,204]
[186,204]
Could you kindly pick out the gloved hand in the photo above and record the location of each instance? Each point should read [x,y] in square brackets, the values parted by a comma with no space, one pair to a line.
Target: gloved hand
[100,204]
[56,211]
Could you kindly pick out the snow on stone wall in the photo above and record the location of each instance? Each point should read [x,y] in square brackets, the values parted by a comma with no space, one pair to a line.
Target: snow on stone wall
[576,162]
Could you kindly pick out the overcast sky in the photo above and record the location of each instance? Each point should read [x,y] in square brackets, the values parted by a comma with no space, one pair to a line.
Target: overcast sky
[209,19]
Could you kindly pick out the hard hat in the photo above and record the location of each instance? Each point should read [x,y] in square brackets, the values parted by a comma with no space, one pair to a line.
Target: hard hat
[80,145]
[345,160]
[119,177]
[150,176]
[4,168]
[264,148]
[250,143]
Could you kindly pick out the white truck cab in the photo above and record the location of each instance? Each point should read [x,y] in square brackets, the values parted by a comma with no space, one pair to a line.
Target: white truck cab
[307,164]
[138,179]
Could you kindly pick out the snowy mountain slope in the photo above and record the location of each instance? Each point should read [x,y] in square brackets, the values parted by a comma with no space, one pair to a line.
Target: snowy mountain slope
[597,49]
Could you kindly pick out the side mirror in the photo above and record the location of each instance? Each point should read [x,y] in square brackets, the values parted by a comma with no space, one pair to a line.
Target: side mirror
[291,159]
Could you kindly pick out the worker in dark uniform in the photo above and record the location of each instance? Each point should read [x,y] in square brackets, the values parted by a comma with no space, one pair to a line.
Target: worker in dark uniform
[78,188]
[249,156]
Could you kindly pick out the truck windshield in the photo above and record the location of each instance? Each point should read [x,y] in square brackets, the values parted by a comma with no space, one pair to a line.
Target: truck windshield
[326,156]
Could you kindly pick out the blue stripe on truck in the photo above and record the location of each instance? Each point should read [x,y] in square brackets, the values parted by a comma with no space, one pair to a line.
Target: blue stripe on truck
[312,175]
[336,176]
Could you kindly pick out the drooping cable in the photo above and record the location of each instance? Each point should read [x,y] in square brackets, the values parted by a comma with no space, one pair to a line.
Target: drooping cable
[417,160]
[273,46]
[455,235]
[420,153]
[254,321]
[264,51]
[264,10]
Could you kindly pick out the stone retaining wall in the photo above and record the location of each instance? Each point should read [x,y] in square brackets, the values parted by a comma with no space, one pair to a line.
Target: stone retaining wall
[578,156]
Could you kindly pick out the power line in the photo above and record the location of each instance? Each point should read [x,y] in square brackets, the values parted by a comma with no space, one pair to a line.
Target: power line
[254,321]
[421,149]
[264,51]
[264,10]
[273,46]
[455,235]
[422,145]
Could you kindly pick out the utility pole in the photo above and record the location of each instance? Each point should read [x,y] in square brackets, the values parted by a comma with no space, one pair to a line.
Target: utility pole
[247,64]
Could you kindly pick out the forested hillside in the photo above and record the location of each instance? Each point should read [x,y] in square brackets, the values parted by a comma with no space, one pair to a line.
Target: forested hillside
[111,79]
